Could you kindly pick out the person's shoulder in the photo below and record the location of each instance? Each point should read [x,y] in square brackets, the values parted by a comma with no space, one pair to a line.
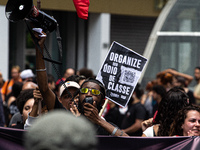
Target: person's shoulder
[139,106]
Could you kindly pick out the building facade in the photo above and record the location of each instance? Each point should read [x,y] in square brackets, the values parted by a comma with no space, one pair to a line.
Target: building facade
[85,43]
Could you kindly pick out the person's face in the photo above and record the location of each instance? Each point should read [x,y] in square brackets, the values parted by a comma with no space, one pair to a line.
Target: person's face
[52,85]
[197,74]
[15,73]
[192,122]
[96,98]
[66,99]
[27,108]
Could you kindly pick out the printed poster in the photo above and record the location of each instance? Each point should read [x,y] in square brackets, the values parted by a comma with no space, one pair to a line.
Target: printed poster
[120,73]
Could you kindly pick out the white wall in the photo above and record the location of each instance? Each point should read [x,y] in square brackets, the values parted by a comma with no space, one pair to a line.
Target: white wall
[4,42]
[98,40]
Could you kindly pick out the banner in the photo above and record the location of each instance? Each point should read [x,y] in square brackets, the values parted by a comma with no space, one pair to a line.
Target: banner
[120,73]
[12,139]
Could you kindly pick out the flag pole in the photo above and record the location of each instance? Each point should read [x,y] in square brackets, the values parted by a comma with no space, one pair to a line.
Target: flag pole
[104,106]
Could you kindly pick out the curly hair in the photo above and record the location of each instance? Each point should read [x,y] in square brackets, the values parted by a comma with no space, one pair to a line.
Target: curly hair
[23,97]
[174,100]
[179,120]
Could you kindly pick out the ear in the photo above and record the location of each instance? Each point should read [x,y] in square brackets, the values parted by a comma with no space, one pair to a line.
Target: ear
[60,100]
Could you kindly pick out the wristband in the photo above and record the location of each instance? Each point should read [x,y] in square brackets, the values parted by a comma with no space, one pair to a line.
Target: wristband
[121,133]
[114,131]
[41,69]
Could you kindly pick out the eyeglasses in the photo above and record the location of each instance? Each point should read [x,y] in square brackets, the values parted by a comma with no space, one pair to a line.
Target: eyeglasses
[93,91]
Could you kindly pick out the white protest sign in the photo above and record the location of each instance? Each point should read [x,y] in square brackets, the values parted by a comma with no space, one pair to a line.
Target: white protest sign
[120,73]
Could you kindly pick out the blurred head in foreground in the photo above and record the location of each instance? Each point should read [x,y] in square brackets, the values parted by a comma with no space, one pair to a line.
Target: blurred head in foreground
[61,130]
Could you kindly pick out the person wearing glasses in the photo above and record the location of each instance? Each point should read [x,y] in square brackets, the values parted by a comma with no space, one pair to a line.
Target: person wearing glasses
[91,100]
[91,91]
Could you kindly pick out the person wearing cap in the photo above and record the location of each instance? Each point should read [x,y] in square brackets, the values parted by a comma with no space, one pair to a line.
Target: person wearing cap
[65,98]
[27,75]
[67,90]
[91,90]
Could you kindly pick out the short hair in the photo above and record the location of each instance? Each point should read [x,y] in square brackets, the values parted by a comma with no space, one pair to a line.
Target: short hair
[138,91]
[198,67]
[23,97]
[74,78]
[102,88]
[160,90]
[61,130]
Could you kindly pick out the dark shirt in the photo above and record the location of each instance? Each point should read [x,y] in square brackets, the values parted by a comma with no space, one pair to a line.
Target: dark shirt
[191,97]
[114,116]
[135,111]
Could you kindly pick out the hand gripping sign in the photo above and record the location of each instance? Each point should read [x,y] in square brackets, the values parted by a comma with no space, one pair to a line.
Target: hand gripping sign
[120,73]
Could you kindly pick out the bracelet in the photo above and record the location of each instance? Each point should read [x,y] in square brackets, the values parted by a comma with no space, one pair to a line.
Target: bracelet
[121,133]
[41,69]
[114,131]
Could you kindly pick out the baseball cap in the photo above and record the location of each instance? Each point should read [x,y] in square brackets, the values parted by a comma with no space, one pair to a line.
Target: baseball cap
[67,85]
[26,74]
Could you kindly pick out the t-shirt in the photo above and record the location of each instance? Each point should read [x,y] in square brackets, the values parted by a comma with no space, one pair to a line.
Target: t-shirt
[114,116]
[135,111]
[149,132]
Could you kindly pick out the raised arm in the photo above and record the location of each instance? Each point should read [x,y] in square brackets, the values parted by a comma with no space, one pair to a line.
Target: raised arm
[189,78]
[47,93]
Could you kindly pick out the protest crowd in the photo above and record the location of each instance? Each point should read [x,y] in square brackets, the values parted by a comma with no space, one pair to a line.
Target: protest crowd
[70,112]
[69,109]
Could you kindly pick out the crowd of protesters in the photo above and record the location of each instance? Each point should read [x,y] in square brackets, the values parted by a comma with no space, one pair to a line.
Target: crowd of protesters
[166,107]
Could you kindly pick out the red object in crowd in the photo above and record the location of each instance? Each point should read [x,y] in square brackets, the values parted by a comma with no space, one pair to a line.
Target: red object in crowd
[82,7]
[154,117]
[60,82]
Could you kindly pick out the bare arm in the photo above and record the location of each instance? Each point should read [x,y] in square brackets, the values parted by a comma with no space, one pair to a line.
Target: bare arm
[196,96]
[143,135]
[91,113]
[47,93]
[189,78]
[133,128]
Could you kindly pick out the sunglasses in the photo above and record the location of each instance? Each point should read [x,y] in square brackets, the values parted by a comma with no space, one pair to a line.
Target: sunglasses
[93,91]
